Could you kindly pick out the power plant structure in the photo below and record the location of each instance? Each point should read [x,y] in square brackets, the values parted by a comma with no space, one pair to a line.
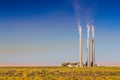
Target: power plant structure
[88,62]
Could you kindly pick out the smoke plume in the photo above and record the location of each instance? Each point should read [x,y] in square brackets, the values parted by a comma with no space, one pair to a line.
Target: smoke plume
[88,29]
[83,10]
[93,31]
[80,29]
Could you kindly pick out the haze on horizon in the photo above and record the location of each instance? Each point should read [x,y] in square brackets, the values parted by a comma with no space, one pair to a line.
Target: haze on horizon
[45,32]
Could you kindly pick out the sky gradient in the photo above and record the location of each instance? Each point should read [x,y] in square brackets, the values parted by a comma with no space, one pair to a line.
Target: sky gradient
[45,32]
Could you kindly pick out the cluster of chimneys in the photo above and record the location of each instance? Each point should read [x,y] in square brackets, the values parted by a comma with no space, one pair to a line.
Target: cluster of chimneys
[88,46]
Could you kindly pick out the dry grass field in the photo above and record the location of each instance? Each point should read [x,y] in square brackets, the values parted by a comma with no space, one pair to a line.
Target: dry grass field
[59,73]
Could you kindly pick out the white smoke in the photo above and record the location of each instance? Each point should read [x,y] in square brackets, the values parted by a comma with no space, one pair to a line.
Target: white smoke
[88,30]
[84,14]
[93,31]
[84,10]
[80,29]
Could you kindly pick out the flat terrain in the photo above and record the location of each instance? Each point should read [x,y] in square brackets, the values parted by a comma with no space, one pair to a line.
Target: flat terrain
[59,73]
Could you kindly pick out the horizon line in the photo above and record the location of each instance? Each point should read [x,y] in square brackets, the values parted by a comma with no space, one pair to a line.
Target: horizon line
[53,64]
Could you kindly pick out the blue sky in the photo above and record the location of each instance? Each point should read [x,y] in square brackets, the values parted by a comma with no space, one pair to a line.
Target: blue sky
[45,31]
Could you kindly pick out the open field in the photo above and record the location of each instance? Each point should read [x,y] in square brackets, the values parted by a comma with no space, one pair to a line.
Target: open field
[59,73]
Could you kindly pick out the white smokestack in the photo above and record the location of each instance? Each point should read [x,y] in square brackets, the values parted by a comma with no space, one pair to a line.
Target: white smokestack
[93,46]
[80,44]
[88,45]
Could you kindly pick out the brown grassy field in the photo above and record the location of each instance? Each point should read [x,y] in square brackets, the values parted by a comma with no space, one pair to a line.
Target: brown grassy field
[59,73]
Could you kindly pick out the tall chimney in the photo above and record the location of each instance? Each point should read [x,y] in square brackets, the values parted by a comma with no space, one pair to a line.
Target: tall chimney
[88,45]
[93,47]
[80,45]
